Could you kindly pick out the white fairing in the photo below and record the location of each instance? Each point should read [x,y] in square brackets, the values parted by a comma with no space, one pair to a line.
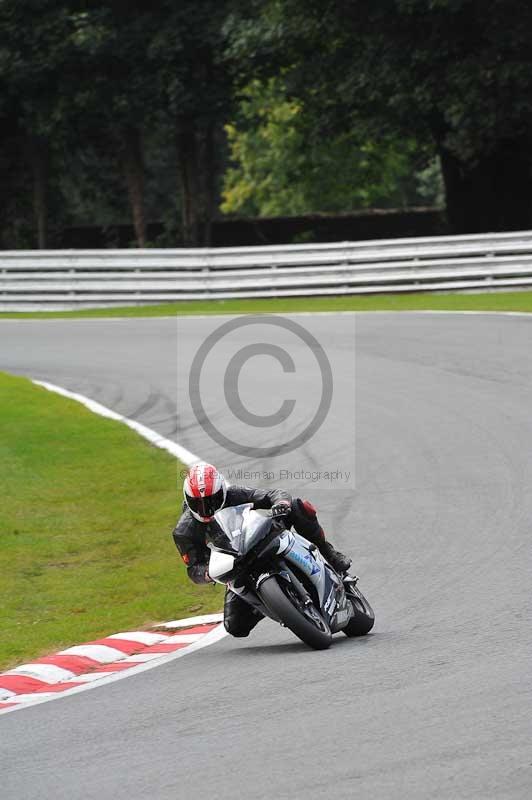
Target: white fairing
[219,565]
[240,524]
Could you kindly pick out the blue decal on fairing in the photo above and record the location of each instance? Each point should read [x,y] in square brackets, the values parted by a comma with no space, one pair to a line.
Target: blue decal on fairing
[306,561]
[315,567]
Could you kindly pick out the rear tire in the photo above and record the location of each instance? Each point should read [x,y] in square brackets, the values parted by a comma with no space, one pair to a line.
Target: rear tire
[364,618]
[276,597]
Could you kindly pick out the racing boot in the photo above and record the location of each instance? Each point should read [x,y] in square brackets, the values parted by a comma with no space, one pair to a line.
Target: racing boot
[336,559]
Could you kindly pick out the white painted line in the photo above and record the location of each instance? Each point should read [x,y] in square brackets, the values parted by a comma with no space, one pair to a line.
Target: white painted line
[144,637]
[5,694]
[435,311]
[98,652]
[48,673]
[184,638]
[180,317]
[88,677]
[346,312]
[141,657]
[185,456]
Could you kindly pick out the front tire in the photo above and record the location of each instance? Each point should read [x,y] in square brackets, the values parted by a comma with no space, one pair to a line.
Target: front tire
[364,618]
[285,603]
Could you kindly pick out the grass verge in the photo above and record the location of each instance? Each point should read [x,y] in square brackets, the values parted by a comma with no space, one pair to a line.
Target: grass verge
[488,301]
[85,528]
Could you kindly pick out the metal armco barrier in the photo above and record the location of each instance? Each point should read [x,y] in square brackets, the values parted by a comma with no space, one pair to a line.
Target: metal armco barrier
[65,279]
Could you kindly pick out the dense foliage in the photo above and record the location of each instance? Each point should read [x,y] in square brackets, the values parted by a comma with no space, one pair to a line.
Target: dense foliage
[283,165]
[91,89]
[114,112]
[453,74]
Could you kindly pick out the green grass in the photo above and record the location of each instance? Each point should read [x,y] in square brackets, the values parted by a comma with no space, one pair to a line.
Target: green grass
[85,528]
[489,301]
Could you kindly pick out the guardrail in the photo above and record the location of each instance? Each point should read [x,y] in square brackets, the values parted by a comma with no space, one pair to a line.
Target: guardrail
[89,278]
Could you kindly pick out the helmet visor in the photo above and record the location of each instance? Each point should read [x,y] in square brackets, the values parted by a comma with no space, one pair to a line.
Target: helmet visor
[206,506]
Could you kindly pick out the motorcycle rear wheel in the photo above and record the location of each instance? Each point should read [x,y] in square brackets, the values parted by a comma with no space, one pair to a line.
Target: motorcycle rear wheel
[364,618]
[284,603]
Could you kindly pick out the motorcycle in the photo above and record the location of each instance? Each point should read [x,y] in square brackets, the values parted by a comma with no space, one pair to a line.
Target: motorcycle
[285,577]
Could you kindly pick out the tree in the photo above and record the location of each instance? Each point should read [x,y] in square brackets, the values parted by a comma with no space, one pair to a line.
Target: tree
[281,165]
[454,72]
[112,95]
[55,65]
[89,82]
[194,81]
[32,60]
[161,66]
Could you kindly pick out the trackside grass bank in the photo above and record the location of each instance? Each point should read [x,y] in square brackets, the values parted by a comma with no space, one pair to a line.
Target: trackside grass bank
[86,513]
[495,301]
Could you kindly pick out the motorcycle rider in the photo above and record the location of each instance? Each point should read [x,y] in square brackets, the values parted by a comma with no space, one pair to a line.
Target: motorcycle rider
[205,492]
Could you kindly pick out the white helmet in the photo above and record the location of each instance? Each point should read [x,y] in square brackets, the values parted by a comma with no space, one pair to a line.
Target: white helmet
[205,490]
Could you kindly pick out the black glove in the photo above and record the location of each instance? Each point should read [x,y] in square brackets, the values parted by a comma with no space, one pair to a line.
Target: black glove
[281,509]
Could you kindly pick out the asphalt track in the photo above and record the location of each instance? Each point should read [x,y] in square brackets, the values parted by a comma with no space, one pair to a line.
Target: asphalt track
[436,702]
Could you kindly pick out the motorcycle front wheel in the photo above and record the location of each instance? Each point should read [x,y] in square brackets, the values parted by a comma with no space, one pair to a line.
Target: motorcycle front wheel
[304,621]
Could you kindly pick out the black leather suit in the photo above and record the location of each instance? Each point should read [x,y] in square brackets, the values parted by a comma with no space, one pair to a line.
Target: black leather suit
[190,536]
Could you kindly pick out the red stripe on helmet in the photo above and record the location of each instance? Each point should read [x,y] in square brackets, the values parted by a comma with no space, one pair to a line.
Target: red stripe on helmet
[209,479]
[193,482]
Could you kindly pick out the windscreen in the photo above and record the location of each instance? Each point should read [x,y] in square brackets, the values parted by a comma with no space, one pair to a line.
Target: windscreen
[243,526]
